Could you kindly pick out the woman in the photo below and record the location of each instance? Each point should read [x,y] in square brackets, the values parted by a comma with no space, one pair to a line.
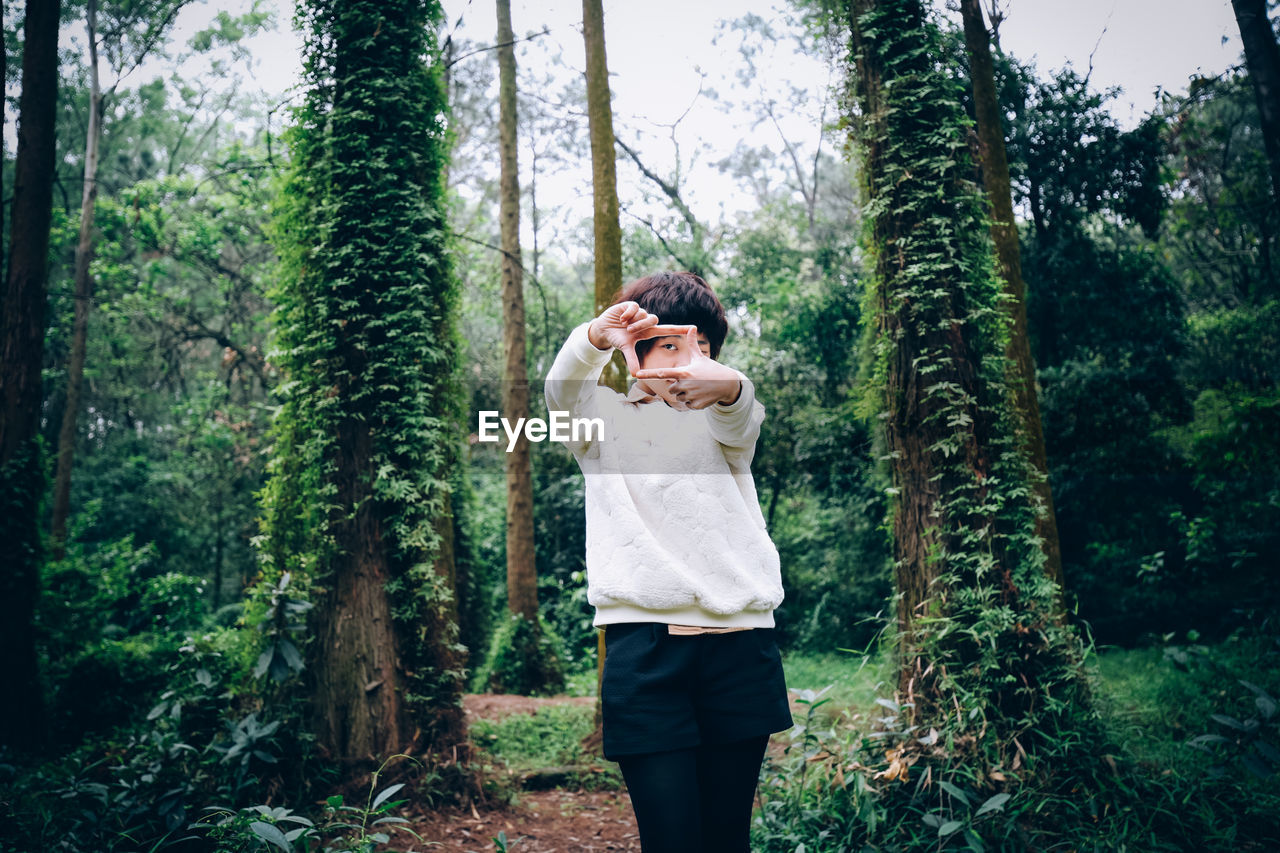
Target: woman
[680,568]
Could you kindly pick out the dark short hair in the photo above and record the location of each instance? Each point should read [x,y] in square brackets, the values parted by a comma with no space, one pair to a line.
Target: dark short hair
[679,299]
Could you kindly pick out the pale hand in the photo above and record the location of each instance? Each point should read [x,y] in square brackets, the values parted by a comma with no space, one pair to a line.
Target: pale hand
[700,383]
[620,326]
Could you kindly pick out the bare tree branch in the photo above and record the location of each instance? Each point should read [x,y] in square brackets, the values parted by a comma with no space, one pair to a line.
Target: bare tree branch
[684,262]
[670,191]
[546,31]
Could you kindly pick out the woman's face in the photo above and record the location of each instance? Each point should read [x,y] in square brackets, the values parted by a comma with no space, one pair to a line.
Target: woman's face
[673,351]
[669,351]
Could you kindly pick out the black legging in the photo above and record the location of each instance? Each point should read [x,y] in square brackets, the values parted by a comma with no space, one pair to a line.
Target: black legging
[696,800]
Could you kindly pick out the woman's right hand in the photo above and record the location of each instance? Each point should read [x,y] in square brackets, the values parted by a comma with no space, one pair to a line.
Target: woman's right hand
[620,326]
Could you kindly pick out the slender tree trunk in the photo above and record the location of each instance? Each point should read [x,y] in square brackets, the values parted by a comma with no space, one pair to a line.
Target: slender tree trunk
[535,220]
[604,178]
[522,577]
[1262,55]
[1004,233]
[608,232]
[83,298]
[218,545]
[22,483]
[4,208]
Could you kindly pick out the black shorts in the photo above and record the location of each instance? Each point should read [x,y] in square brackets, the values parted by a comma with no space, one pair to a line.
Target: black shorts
[663,692]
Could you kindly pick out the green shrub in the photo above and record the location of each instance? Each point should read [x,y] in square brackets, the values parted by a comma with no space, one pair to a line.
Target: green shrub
[550,737]
[110,682]
[842,783]
[524,657]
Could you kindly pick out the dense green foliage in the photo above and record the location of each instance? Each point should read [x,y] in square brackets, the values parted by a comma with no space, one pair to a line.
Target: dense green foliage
[821,793]
[1153,328]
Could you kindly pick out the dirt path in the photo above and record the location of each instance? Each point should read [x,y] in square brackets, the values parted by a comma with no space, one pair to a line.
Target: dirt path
[541,822]
[495,706]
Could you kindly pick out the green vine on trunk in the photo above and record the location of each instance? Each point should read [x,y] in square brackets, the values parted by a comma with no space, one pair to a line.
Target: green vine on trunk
[984,663]
[365,335]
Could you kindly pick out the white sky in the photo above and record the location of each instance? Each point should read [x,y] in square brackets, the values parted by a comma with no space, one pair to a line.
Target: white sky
[656,47]
[658,50]
[653,45]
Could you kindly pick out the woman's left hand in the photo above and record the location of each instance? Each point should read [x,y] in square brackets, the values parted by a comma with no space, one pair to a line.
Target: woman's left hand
[700,383]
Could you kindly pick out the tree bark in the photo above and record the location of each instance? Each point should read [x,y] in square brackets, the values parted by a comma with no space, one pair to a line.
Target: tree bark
[447,728]
[360,715]
[1262,55]
[83,297]
[604,178]
[522,578]
[1004,233]
[22,482]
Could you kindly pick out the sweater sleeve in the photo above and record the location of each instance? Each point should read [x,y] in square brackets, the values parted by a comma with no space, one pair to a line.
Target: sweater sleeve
[737,425]
[571,383]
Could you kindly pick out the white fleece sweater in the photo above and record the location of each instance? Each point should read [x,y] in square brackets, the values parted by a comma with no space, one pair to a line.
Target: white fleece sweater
[674,528]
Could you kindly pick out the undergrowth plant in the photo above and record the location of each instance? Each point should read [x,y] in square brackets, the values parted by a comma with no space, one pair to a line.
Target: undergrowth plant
[344,828]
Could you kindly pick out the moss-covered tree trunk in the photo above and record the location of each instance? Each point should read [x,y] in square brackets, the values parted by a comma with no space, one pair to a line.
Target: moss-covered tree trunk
[1004,234]
[22,481]
[604,178]
[522,576]
[358,502]
[981,655]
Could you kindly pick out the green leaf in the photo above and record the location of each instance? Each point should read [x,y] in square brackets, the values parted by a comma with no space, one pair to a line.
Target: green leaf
[949,827]
[956,792]
[385,795]
[994,803]
[1229,722]
[290,654]
[270,834]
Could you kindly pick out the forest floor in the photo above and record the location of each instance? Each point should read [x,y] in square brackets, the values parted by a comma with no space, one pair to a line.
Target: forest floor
[567,819]
[560,820]
[556,821]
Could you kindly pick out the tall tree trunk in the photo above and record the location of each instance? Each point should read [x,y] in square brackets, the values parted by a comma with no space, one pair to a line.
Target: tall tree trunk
[604,178]
[522,577]
[1262,55]
[608,232]
[1004,233]
[359,500]
[974,609]
[83,298]
[22,483]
